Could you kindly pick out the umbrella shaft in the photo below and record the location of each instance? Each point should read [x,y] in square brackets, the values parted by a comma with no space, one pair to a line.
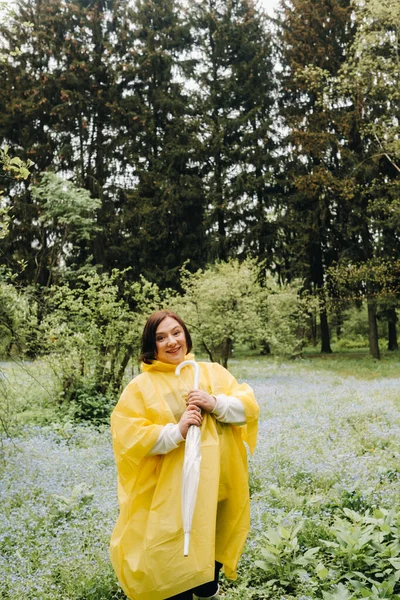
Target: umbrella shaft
[186,544]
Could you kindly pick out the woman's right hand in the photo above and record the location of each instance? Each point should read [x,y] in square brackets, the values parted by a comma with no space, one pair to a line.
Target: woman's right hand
[191,416]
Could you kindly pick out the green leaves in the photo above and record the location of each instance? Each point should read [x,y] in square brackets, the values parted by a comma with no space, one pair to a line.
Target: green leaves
[68,210]
[90,332]
[371,72]
[225,305]
[284,562]
[360,560]
[15,167]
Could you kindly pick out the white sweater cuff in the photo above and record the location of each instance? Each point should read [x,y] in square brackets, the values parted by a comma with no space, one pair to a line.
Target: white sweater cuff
[169,439]
[229,409]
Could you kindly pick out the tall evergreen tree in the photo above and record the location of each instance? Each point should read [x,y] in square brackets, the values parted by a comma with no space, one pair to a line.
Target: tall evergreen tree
[370,82]
[59,80]
[87,141]
[235,99]
[313,34]
[163,209]
[28,91]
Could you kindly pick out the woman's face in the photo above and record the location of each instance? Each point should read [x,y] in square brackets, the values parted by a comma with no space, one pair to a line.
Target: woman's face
[170,342]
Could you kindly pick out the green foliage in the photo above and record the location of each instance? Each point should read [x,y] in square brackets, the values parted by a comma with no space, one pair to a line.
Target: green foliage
[61,52]
[69,209]
[378,279]
[371,72]
[164,211]
[15,167]
[17,317]
[375,281]
[235,106]
[285,314]
[84,402]
[225,306]
[312,35]
[178,168]
[4,221]
[90,334]
[361,558]
[67,219]
[221,306]
[354,328]
[284,562]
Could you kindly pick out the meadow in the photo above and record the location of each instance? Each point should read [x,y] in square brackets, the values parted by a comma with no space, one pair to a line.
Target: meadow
[325,486]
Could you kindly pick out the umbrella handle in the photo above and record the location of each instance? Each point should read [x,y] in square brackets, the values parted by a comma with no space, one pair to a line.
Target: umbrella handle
[196,368]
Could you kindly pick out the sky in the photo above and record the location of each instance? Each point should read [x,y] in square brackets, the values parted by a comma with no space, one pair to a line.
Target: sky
[269,5]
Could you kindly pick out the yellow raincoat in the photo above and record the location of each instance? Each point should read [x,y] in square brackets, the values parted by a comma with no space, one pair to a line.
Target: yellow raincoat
[147,542]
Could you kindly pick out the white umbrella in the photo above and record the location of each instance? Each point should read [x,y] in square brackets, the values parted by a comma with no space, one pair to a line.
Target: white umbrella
[191,465]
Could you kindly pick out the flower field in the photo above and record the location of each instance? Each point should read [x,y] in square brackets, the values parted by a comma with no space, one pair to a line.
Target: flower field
[328,458]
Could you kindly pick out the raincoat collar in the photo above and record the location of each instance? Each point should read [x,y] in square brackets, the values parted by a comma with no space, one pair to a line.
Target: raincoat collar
[157,365]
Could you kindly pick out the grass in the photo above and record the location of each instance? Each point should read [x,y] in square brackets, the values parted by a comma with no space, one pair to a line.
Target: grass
[358,364]
[328,441]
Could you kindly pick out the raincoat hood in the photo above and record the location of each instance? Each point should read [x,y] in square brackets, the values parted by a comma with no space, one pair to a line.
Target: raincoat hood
[157,365]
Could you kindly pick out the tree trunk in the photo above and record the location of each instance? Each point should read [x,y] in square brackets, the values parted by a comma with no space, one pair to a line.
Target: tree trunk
[373,330]
[392,330]
[119,375]
[339,323]
[313,329]
[325,337]
[226,351]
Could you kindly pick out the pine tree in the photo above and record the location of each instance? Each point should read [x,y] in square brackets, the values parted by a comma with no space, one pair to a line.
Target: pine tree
[370,78]
[59,81]
[28,91]
[162,209]
[235,99]
[313,38]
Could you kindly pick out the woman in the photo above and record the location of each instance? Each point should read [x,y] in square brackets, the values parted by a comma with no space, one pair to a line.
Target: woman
[149,427]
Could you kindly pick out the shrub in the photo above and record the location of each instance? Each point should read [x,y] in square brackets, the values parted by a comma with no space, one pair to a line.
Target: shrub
[90,334]
[226,305]
[17,317]
[362,557]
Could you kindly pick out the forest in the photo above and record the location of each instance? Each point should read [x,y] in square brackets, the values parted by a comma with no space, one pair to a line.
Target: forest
[159,140]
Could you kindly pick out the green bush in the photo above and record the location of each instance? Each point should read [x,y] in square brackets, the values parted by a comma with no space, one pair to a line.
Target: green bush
[90,333]
[354,328]
[85,403]
[360,558]
[225,305]
[17,317]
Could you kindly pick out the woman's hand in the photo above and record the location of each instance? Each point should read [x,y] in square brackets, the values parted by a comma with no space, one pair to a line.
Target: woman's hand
[202,400]
[191,416]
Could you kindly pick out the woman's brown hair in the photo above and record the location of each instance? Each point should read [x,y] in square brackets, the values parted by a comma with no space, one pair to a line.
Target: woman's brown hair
[149,348]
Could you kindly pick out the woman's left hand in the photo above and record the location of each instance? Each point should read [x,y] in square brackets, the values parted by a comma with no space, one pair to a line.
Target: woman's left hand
[202,400]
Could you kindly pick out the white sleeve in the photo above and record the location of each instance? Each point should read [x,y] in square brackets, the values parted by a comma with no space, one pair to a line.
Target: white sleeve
[229,409]
[169,439]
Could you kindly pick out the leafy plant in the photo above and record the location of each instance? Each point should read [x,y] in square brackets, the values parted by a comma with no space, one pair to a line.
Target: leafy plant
[361,560]
[90,334]
[225,305]
[67,218]
[17,316]
[284,562]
